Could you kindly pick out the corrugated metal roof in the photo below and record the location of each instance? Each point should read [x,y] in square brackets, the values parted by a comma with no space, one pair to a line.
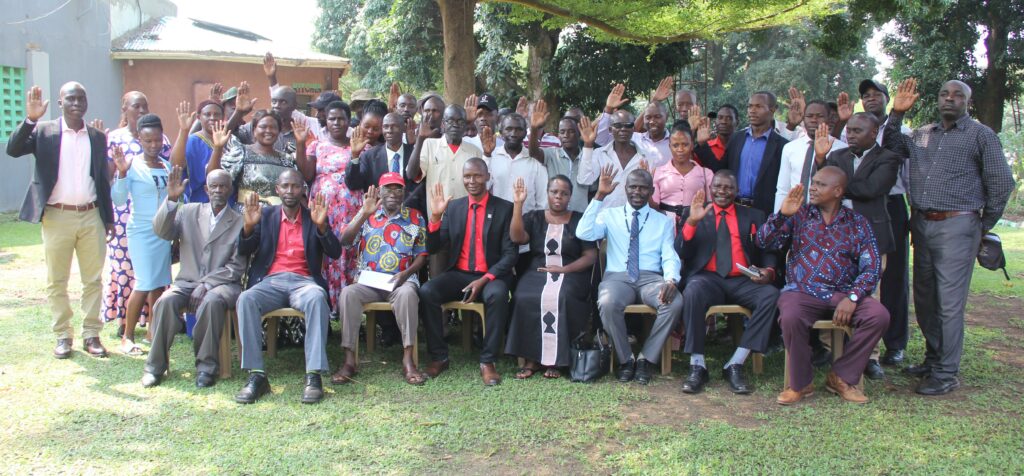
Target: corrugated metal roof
[185,38]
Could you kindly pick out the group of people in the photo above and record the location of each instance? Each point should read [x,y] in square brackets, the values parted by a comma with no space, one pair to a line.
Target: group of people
[796,220]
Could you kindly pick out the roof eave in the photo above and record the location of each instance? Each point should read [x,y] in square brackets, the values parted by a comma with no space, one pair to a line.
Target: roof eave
[343,64]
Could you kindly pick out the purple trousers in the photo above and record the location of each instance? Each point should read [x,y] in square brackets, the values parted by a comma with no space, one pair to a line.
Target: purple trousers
[797,313]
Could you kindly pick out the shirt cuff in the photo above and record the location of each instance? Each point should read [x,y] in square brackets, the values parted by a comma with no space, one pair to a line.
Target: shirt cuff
[171,205]
[688,231]
[489,276]
[30,121]
[433,227]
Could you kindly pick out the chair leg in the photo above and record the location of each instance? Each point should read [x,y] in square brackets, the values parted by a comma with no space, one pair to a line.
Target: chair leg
[666,357]
[371,331]
[271,336]
[224,349]
[785,372]
[466,320]
[758,364]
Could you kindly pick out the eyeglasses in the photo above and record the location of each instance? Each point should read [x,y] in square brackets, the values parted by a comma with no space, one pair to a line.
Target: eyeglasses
[622,125]
[454,122]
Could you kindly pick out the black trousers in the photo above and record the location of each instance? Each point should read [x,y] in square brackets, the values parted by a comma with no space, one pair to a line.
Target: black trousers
[448,287]
[706,289]
[895,285]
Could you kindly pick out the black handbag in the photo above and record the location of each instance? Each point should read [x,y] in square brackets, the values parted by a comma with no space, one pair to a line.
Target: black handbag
[589,362]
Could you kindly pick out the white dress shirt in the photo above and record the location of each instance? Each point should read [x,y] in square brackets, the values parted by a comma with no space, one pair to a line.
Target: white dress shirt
[505,169]
[75,185]
[791,168]
[595,159]
[604,136]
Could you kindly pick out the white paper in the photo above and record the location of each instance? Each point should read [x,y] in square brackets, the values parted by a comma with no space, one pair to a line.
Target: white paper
[747,271]
[376,280]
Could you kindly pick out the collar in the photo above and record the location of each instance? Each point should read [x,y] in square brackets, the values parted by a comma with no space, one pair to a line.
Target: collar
[750,133]
[64,128]
[647,135]
[866,152]
[217,216]
[391,153]
[482,201]
[628,209]
[381,213]
[960,123]
[525,152]
[717,140]
[814,212]
[730,210]
[298,216]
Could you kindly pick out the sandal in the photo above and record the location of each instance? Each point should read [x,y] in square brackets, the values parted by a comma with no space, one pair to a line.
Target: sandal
[414,378]
[344,375]
[552,372]
[526,372]
[131,349]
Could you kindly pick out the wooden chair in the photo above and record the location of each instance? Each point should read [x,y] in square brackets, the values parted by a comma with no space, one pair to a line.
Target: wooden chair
[666,349]
[225,357]
[735,315]
[467,328]
[273,318]
[370,310]
[838,334]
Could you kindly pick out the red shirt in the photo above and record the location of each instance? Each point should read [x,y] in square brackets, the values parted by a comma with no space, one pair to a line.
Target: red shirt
[291,251]
[717,147]
[454,147]
[737,248]
[481,256]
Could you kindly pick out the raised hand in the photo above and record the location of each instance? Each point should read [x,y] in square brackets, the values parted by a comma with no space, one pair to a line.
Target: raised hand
[698,210]
[822,141]
[615,100]
[704,131]
[358,141]
[607,184]
[539,115]
[371,200]
[393,95]
[519,191]
[186,116]
[301,131]
[318,212]
[797,103]
[523,106]
[645,166]
[695,117]
[98,125]
[410,130]
[438,202]
[794,199]
[244,103]
[221,134]
[35,106]
[664,90]
[488,140]
[217,92]
[175,184]
[251,213]
[906,95]
[120,161]
[588,131]
[269,65]
[845,107]
[470,106]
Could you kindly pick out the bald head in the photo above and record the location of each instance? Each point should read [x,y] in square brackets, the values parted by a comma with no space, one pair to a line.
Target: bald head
[72,85]
[828,187]
[958,84]
[954,97]
[282,100]
[73,104]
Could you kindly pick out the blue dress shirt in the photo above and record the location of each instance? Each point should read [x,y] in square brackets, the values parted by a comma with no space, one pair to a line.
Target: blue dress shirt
[750,162]
[657,254]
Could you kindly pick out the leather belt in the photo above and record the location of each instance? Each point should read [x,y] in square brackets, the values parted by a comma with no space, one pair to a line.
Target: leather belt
[747,202]
[939,216]
[677,209]
[74,208]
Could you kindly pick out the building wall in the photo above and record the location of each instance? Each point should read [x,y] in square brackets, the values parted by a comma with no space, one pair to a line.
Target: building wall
[168,82]
[70,44]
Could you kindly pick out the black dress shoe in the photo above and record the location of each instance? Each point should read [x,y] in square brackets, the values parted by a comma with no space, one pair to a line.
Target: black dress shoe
[874,371]
[695,382]
[314,390]
[921,370]
[892,357]
[63,349]
[256,387]
[733,375]
[932,386]
[205,380]
[626,371]
[821,358]
[151,380]
[643,372]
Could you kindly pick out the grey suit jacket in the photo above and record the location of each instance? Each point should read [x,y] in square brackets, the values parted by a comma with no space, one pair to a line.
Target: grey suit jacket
[207,256]
[868,188]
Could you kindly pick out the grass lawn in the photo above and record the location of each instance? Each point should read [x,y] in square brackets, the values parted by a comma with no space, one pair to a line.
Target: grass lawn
[87,415]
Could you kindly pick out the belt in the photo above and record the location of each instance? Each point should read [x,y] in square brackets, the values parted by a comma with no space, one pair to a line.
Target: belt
[75,208]
[747,202]
[677,209]
[939,216]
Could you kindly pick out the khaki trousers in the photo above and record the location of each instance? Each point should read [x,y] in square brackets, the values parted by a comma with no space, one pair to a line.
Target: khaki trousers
[405,300]
[68,233]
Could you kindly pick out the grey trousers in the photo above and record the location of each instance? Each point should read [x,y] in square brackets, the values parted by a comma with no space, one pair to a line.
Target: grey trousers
[167,323]
[944,254]
[616,292]
[274,292]
[405,301]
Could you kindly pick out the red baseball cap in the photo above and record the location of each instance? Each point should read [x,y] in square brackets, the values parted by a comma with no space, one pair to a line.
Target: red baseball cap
[392,178]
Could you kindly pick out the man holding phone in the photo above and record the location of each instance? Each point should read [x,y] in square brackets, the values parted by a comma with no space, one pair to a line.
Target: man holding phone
[722,265]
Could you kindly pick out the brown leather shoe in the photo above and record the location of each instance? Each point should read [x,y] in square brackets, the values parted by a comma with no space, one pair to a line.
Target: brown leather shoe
[344,375]
[790,396]
[490,374]
[849,393]
[63,349]
[94,347]
[435,367]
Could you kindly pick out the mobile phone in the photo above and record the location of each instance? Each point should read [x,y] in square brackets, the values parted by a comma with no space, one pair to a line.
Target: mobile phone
[466,294]
[750,273]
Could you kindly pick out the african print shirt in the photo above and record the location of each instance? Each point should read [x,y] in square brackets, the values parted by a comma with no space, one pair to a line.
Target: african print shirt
[390,244]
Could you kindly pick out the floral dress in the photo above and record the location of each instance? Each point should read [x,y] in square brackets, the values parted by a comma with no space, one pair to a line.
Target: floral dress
[342,205]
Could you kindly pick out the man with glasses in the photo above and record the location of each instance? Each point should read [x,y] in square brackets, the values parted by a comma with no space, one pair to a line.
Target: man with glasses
[624,155]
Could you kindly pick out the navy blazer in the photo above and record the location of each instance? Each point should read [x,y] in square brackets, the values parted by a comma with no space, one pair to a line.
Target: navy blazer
[696,252]
[263,242]
[501,252]
[767,175]
[869,188]
[43,140]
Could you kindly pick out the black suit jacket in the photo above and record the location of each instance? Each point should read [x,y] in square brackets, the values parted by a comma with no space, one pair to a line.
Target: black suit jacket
[696,252]
[767,175]
[869,187]
[376,162]
[501,252]
[263,242]
[43,141]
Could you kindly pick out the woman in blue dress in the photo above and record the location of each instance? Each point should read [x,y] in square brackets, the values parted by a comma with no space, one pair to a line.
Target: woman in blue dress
[144,179]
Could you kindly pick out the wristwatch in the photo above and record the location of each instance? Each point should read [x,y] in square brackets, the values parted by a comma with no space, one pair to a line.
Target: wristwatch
[853,297]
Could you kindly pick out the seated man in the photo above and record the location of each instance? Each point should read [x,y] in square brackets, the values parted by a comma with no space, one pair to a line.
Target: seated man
[209,279]
[392,241]
[642,265]
[832,269]
[715,241]
[474,230]
[289,243]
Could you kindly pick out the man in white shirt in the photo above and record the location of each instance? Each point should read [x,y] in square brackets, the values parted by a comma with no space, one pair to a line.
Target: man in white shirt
[623,154]
[798,165]
[513,161]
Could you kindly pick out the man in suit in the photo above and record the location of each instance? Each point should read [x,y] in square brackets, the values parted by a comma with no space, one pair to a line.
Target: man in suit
[474,230]
[208,281]
[365,169]
[755,154]
[70,194]
[714,242]
[641,263]
[288,242]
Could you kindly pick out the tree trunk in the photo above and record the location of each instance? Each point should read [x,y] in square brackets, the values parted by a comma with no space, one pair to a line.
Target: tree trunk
[459,48]
[540,51]
[989,105]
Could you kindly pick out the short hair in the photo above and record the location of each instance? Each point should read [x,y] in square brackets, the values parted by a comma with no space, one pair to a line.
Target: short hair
[476,161]
[342,105]
[682,91]
[843,178]
[149,121]
[868,117]
[682,126]
[573,119]
[735,111]
[407,96]
[642,174]
[375,107]
[726,173]
[289,171]
[515,116]
[428,97]
[818,102]
[256,118]
[561,178]
[660,105]
[773,102]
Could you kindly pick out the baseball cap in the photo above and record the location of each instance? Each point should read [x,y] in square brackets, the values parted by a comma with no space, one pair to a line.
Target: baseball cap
[361,95]
[487,100]
[391,178]
[872,84]
[325,98]
[229,95]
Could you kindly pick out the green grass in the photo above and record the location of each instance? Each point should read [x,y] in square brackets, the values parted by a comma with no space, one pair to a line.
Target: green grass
[89,415]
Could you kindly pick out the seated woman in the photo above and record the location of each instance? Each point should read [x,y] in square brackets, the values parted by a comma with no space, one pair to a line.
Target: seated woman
[551,305]
[254,167]
[145,181]
[677,182]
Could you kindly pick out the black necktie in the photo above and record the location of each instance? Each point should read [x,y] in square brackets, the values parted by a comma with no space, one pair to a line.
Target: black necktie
[810,167]
[723,248]
[472,238]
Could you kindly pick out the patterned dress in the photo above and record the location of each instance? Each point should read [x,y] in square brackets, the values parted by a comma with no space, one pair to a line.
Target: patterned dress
[121,275]
[342,205]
